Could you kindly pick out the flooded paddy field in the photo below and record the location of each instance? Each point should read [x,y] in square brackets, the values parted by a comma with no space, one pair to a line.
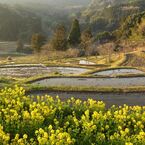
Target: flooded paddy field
[92,82]
[109,98]
[120,71]
[34,70]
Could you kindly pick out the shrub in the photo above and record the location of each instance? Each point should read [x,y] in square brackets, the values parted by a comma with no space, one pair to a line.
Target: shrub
[104,37]
[73,52]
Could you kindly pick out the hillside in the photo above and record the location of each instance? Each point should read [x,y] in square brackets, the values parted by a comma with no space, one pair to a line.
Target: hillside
[49,2]
[107,15]
[133,28]
[27,17]
[21,20]
[17,23]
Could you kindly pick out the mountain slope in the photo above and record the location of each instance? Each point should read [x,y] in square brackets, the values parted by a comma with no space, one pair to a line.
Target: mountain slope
[133,28]
[108,14]
[49,2]
[17,24]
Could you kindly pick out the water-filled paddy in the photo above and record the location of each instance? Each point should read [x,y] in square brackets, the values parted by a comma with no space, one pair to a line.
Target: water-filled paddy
[109,98]
[94,82]
[33,70]
[118,72]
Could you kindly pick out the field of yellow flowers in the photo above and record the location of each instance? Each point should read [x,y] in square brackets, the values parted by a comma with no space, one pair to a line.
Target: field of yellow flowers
[46,121]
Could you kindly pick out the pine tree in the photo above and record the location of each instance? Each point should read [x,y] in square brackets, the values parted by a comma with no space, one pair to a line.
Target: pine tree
[59,40]
[75,33]
[37,41]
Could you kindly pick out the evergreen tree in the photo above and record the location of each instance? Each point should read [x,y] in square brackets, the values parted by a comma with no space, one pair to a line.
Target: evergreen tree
[59,41]
[37,41]
[75,33]
[105,36]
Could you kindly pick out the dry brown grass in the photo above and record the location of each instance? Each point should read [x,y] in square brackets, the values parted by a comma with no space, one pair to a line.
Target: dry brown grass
[135,60]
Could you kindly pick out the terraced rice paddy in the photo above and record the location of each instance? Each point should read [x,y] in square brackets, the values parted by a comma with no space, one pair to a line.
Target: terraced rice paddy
[109,98]
[114,72]
[93,82]
[34,70]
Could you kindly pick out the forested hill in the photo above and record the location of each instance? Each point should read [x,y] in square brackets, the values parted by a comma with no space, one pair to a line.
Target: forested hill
[58,3]
[21,20]
[99,4]
[28,16]
[133,28]
[108,15]
[17,23]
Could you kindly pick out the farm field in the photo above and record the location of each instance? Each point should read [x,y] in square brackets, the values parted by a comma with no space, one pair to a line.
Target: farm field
[78,74]
[72,72]
[61,79]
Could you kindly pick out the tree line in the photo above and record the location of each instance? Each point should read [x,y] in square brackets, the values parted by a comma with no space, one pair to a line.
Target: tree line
[61,40]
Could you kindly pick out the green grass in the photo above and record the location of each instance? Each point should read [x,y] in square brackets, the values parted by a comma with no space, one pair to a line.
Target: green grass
[30,88]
